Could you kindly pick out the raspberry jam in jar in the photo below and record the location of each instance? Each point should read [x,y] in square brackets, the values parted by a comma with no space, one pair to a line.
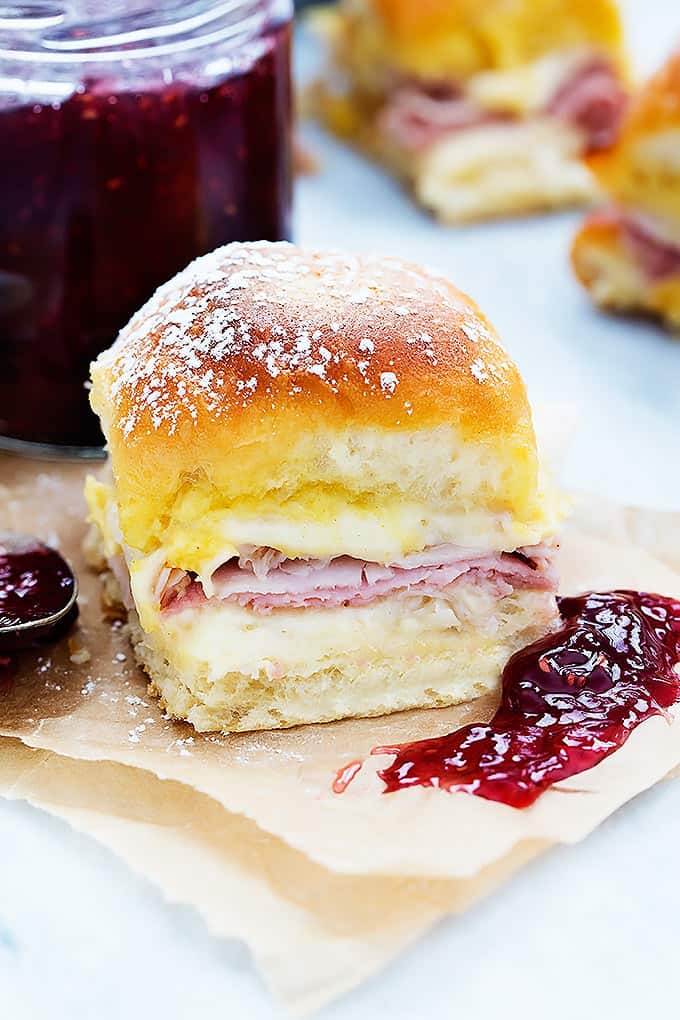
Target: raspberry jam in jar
[135,137]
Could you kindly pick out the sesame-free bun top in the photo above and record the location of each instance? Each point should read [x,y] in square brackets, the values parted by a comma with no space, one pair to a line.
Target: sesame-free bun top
[641,171]
[453,39]
[270,383]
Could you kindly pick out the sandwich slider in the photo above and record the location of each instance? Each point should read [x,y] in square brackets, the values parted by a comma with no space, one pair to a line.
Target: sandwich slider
[627,254]
[325,498]
[483,108]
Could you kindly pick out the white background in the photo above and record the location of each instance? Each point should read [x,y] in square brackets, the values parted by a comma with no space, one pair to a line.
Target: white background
[589,931]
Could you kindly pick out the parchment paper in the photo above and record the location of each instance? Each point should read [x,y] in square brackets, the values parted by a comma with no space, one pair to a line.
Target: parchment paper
[313,934]
[282,780]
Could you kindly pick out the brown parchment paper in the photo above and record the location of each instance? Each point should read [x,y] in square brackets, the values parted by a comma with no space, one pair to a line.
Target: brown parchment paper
[313,933]
[282,780]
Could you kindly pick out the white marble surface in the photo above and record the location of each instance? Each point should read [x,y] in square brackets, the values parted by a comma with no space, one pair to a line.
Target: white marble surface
[588,931]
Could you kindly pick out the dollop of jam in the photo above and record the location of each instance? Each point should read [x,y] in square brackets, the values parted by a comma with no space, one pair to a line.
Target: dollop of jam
[345,775]
[37,593]
[568,701]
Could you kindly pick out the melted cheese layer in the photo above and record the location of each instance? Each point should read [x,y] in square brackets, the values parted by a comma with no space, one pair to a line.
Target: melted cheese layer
[216,639]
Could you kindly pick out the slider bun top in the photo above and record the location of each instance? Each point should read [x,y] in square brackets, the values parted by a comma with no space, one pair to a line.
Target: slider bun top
[453,39]
[274,382]
[642,169]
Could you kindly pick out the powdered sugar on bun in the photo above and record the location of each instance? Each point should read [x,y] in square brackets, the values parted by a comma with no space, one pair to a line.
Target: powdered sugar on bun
[279,385]
[267,324]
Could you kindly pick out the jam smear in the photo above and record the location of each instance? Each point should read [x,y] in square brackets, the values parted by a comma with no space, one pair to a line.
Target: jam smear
[37,588]
[345,775]
[568,701]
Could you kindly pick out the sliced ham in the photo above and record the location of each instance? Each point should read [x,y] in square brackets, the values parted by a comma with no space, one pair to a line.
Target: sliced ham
[414,118]
[657,256]
[593,100]
[263,581]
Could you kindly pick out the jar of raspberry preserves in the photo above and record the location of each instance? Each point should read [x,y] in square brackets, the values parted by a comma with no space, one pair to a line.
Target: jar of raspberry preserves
[135,136]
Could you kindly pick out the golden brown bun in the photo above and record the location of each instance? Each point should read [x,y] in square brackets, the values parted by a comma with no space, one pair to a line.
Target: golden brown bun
[607,267]
[453,39]
[266,375]
[642,170]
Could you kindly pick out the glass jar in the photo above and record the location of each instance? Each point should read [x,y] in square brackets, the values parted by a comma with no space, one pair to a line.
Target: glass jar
[130,145]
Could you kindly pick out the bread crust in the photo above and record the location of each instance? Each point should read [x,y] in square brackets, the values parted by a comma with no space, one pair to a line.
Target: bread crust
[641,173]
[455,38]
[654,107]
[257,331]
[641,170]
[257,343]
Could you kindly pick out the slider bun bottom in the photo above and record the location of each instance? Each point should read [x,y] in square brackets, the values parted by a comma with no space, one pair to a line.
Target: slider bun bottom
[610,273]
[503,170]
[402,655]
